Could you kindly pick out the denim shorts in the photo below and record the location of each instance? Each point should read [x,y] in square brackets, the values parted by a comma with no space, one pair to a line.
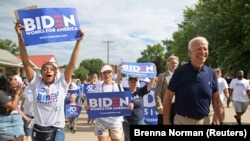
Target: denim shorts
[11,126]
[27,130]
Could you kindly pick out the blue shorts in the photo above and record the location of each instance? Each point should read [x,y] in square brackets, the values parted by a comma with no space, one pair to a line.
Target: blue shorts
[11,126]
[27,130]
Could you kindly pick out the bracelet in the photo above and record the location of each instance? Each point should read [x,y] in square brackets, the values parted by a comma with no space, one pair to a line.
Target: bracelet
[17,94]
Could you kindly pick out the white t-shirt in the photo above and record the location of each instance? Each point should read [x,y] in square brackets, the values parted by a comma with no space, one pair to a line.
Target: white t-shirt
[28,102]
[239,89]
[222,85]
[49,101]
[108,121]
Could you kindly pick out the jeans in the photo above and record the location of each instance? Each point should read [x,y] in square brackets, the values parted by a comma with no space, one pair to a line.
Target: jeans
[27,130]
[126,128]
[60,135]
[10,126]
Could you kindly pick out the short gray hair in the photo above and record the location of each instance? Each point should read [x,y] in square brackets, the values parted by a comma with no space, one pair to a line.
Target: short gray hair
[195,39]
[172,57]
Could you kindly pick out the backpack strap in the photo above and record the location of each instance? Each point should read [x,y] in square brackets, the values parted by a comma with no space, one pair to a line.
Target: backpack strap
[119,87]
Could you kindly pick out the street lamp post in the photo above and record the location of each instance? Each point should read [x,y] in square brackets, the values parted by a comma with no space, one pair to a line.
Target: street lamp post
[108,42]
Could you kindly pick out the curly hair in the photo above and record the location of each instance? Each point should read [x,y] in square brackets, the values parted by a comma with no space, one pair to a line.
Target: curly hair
[5,83]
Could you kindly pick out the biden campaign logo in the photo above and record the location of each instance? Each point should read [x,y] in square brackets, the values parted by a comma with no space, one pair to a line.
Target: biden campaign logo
[139,69]
[49,24]
[45,98]
[150,113]
[89,88]
[108,104]
[73,110]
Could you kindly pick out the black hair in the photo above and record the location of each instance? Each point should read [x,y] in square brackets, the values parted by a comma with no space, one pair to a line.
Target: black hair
[132,78]
[5,83]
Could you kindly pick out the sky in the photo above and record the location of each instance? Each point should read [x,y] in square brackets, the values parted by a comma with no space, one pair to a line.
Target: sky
[130,25]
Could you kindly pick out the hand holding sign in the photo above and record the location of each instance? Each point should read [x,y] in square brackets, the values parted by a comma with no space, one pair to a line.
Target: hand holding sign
[46,25]
[19,28]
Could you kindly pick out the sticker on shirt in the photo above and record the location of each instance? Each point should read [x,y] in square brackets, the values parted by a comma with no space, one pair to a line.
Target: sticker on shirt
[45,98]
[99,132]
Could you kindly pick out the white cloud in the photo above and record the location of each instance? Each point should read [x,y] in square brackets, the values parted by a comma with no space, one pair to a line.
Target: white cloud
[130,24]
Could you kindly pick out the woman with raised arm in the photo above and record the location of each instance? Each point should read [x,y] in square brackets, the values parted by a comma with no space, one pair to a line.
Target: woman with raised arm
[48,93]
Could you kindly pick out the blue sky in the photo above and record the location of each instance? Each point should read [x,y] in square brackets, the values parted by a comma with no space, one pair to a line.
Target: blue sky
[130,24]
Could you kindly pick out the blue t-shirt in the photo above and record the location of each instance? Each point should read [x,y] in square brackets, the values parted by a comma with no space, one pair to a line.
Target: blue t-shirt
[193,90]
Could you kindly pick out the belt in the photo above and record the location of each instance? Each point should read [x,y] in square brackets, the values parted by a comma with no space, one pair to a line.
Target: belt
[194,117]
[29,116]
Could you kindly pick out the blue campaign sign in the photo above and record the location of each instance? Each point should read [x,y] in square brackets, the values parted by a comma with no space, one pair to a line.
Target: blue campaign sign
[108,104]
[72,91]
[47,25]
[72,111]
[143,83]
[88,88]
[139,69]
[150,113]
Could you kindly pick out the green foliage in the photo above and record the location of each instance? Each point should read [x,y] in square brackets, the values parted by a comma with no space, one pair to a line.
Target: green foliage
[9,46]
[92,65]
[63,66]
[226,25]
[154,54]
[81,73]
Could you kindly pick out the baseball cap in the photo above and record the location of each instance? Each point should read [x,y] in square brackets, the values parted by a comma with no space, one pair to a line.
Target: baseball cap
[132,78]
[106,67]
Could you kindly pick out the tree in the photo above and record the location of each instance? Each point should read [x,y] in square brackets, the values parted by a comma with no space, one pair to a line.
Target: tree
[9,46]
[92,65]
[81,73]
[154,54]
[226,25]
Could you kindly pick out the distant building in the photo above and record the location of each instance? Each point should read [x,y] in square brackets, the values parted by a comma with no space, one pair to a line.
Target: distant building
[9,62]
[39,60]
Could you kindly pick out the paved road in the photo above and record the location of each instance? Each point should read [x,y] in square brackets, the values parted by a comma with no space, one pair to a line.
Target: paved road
[85,131]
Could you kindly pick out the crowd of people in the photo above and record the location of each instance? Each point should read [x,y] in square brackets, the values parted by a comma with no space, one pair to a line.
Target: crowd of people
[184,95]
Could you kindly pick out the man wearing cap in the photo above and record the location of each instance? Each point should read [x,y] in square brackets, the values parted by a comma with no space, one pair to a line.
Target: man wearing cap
[108,128]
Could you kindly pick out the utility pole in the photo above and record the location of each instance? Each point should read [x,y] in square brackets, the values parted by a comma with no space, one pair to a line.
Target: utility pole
[108,42]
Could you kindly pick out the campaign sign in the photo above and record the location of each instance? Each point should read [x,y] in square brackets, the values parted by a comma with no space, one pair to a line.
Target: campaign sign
[150,113]
[88,88]
[47,25]
[139,69]
[108,104]
[73,111]
[80,87]
[72,91]
[143,83]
